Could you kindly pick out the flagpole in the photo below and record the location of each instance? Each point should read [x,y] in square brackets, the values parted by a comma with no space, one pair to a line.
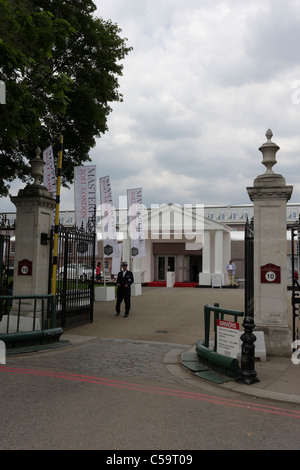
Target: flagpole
[55,247]
[128,234]
[104,282]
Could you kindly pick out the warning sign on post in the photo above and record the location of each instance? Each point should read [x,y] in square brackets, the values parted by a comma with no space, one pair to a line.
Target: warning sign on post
[228,337]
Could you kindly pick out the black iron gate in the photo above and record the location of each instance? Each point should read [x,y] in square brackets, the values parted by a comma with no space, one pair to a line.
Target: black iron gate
[75,274]
[295,236]
[6,270]
[4,262]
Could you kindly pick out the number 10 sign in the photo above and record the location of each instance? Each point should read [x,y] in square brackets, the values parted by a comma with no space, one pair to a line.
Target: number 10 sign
[270,274]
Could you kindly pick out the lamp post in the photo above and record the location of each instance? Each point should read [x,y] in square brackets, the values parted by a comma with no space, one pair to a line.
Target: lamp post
[247,373]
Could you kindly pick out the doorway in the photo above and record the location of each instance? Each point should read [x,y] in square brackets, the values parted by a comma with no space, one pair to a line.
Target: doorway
[195,267]
[164,264]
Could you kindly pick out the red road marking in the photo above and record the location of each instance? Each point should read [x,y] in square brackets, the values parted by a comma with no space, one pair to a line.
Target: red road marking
[153,389]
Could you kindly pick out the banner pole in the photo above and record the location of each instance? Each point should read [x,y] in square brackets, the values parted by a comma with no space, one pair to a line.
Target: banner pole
[128,233]
[55,245]
[102,229]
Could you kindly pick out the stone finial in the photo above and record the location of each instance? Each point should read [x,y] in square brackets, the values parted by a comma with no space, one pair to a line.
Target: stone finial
[269,134]
[269,149]
[37,165]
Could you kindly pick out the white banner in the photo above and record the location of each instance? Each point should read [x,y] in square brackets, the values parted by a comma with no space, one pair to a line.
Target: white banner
[116,261]
[135,229]
[85,193]
[49,179]
[108,213]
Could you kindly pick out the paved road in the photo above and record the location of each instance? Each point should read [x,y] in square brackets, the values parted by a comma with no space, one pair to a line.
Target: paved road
[111,394]
[130,393]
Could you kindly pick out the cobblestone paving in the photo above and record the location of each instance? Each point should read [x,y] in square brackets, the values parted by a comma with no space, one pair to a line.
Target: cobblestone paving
[104,357]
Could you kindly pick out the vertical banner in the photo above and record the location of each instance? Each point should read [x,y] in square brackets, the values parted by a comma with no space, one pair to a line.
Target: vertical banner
[108,213]
[85,193]
[136,229]
[116,261]
[49,170]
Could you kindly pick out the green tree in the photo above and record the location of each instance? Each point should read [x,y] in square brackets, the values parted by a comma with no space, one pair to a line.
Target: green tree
[61,65]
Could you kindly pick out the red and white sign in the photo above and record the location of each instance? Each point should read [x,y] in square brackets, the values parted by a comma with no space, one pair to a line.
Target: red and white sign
[270,273]
[228,338]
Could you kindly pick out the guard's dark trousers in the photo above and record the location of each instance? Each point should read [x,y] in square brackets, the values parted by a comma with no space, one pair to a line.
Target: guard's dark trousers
[123,294]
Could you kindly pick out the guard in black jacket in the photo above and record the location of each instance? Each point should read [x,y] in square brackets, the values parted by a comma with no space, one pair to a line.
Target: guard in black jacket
[124,281]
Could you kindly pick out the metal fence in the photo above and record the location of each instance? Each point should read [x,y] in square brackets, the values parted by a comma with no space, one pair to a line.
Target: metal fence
[42,312]
[37,325]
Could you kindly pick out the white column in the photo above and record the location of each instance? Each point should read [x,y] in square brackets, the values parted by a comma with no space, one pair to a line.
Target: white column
[218,251]
[205,276]
[206,253]
[218,276]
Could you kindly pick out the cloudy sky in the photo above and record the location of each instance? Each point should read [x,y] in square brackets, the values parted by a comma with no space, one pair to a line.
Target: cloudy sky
[204,82]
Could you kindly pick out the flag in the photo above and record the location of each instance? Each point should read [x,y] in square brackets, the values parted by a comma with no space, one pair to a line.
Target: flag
[108,213]
[49,179]
[135,229]
[85,193]
[116,261]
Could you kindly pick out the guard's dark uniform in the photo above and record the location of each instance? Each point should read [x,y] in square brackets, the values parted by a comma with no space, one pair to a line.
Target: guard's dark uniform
[124,292]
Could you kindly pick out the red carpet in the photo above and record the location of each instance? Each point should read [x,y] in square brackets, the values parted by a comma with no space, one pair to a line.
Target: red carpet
[177,284]
[157,284]
[185,284]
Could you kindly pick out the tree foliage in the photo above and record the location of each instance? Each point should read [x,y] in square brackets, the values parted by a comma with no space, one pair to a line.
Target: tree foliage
[61,65]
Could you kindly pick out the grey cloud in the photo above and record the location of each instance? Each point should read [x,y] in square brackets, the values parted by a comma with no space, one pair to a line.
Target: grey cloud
[204,82]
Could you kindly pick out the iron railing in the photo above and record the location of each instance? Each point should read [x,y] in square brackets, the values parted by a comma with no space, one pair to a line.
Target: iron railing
[219,313]
[40,320]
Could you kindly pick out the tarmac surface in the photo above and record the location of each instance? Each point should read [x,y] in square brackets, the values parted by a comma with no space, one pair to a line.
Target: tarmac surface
[164,325]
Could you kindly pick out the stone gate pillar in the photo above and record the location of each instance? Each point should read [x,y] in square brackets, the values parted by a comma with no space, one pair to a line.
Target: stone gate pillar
[270,195]
[34,216]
